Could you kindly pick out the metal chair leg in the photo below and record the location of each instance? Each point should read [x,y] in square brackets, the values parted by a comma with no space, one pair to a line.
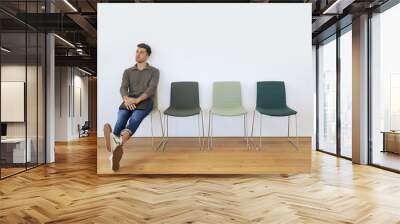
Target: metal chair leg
[297,139]
[162,141]
[162,130]
[198,129]
[297,135]
[288,128]
[260,144]
[212,129]
[165,141]
[209,128]
[162,126]
[296,145]
[202,126]
[151,129]
[252,129]
[245,130]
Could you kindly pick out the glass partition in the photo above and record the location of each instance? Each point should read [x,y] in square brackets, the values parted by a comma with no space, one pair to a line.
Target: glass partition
[14,155]
[327,96]
[23,88]
[385,89]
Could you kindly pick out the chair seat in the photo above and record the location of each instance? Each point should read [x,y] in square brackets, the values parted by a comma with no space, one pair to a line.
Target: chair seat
[177,112]
[229,111]
[281,112]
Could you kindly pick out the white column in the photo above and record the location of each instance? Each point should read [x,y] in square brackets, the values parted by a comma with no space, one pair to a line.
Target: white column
[360,90]
[50,109]
[50,92]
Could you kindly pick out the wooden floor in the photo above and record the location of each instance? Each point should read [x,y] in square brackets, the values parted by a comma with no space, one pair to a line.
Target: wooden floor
[70,191]
[10,171]
[5,172]
[387,159]
[228,156]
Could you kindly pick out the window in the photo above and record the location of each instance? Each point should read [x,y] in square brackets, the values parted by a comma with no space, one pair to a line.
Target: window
[395,102]
[327,96]
[385,89]
[334,106]
[346,95]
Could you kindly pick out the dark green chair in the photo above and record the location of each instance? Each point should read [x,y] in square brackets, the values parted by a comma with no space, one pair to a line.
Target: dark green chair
[271,101]
[184,102]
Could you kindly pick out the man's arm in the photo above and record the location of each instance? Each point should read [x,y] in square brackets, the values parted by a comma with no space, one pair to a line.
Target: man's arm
[124,90]
[151,89]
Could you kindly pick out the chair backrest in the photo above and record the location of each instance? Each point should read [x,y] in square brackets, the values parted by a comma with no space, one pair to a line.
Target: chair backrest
[184,95]
[227,94]
[271,94]
[155,101]
[86,125]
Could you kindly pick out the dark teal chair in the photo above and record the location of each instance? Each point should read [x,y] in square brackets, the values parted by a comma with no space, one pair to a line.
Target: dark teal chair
[271,101]
[184,102]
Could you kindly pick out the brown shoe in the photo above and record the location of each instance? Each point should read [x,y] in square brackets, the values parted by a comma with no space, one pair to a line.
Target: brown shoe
[116,157]
[107,136]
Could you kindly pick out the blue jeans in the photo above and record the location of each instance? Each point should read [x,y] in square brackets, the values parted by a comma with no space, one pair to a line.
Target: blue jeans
[133,118]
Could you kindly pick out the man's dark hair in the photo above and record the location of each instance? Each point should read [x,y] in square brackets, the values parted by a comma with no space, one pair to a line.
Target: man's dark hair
[145,46]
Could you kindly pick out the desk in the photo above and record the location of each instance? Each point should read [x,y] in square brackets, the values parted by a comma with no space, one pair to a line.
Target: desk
[391,141]
[13,150]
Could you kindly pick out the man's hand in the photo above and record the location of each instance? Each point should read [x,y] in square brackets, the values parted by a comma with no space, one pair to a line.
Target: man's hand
[130,106]
[130,102]
[135,100]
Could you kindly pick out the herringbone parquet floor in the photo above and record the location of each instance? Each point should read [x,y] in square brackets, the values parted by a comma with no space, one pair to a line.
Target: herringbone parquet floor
[69,191]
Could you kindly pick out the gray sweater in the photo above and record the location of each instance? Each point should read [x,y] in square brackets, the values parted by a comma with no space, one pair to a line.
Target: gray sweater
[136,82]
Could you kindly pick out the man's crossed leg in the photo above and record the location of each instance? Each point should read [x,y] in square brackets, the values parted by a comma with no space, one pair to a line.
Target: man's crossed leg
[122,133]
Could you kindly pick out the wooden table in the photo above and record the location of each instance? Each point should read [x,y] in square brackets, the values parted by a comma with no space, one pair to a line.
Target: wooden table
[391,141]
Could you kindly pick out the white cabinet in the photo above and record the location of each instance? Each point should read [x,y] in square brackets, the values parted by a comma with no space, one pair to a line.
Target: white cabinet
[17,146]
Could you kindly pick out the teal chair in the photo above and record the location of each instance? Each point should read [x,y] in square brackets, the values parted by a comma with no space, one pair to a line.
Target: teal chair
[271,101]
[184,102]
[227,101]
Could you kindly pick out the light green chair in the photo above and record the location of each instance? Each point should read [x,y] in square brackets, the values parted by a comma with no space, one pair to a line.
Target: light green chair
[227,101]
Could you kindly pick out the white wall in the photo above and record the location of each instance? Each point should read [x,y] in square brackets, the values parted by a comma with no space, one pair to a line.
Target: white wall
[17,73]
[61,103]
[80,82]
[66,121]
[207,43]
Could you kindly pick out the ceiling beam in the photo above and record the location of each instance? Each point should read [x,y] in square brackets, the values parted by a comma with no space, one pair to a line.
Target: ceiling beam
[82,61]
[337,7]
